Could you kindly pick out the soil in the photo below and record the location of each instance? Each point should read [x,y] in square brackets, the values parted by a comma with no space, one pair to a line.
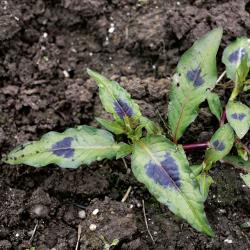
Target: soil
[45,48]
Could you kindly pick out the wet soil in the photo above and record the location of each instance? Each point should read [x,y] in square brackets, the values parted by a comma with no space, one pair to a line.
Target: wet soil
[45,48]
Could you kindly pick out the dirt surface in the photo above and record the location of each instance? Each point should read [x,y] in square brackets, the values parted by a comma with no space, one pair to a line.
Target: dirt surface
[45,48]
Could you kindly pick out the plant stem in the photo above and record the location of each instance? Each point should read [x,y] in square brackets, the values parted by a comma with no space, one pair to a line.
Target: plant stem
[195,146]
[223,118]
[221,76]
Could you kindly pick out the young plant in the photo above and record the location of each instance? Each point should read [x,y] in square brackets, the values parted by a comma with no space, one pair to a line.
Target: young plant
[160,163]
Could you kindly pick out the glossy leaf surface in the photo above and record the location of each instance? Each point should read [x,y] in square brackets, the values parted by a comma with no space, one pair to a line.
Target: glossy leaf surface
[164,169]
[196,74]
[214,105]
[115,99]
[220,144]
[238,115]
[73,147]
[234,56]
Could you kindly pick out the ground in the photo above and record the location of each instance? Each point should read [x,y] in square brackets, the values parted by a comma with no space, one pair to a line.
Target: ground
[45,48]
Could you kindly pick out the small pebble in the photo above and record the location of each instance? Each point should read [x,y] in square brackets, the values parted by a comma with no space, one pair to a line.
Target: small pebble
[82,214]
[92,227]
[96,211]
[229,241]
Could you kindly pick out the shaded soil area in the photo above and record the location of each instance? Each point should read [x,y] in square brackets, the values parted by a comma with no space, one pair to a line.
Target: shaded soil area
[45,48]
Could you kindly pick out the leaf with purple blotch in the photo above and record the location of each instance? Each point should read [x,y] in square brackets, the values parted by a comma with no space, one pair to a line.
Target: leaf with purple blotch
[220,145]
[73,147]
[115,99]
[236,57]
[196,75]
[165,171]
[238,115]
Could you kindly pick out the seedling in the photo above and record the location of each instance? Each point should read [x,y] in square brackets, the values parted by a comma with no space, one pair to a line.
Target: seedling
[158,161]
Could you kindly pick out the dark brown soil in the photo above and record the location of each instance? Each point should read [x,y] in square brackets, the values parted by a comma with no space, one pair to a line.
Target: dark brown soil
[45,48]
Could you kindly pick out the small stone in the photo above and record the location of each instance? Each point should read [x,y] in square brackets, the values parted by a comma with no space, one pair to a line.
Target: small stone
[229,241]
[92,227]
[96,211]
[40,211]
[82,214]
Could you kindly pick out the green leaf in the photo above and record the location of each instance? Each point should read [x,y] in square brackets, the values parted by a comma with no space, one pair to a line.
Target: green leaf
[236,58]
[115,99]
[246,179]
[151,127]
[220,144]
[164,169]
[241,150]
[196,169]
[237,162]
[205,182]
[238,115]
[112,126]
[214,104]
[73,147]
[196,75]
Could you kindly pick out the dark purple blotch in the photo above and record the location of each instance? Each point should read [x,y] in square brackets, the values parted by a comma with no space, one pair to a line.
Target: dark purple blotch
[239,116]
[167,175]
[63,148]
[195,76]
[122,109]
[218,145]
[237,55]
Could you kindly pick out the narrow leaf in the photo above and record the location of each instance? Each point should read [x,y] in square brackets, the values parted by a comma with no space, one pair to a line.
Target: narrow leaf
[112,126]
[164,169]
[233,56]
[237,162]
[214,104]
[246,179]
[205,182]
[73,147]
[220,144]
[238,115]
[196,74]
[115,99]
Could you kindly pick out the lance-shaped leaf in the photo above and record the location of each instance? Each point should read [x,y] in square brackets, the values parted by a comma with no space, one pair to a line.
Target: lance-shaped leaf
[196,74]
[205,182]
[233,56]
[238,115]
[73,147]
[115,99]
[220,144]
[165,171]
[214,104]
[237,162]
[112,126]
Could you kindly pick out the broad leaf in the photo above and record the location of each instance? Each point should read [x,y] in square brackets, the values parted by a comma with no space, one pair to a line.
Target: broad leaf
[112,126]
[246,179]
[164,169]
[73,147]
[196,75]
[214,105]
[234,56]
[205,182]
[220,144]
[115,99]
[196,169]
[238,115]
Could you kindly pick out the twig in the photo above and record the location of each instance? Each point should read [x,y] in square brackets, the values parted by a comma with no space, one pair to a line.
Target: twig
[78,236]
[33,233]
[125,163]
[221,76]
[146,221]
[125,197]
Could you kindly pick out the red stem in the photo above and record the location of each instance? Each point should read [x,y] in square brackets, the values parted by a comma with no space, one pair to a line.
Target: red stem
[223,118]
[195,146]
